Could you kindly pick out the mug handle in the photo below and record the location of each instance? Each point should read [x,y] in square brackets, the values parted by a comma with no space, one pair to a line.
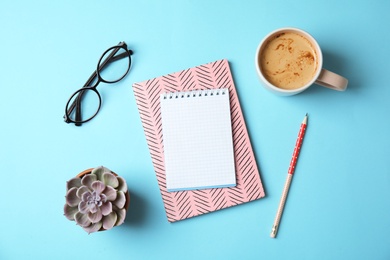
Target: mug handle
[332,80]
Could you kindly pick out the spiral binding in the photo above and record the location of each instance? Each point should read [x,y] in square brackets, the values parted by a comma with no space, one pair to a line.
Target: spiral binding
[195,93]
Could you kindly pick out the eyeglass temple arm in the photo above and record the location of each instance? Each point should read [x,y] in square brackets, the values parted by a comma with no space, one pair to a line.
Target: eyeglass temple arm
[108,60]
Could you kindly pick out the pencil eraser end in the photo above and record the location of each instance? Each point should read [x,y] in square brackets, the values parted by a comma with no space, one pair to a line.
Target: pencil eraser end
[273,231]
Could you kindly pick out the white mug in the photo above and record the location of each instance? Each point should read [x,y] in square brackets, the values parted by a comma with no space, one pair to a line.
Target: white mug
[283,58]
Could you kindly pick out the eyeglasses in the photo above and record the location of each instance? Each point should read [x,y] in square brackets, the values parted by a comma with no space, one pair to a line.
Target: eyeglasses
[85,103]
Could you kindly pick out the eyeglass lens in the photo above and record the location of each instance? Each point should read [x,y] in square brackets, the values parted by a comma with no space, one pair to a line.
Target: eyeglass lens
[88,105]
[115,69]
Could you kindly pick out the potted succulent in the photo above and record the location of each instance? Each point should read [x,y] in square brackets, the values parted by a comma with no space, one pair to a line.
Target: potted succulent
[96,199]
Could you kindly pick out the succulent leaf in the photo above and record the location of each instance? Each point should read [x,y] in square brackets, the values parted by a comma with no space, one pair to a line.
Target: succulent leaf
[83,207]
[106,208]
[99,172]
[110,179]
[82,219]
[96,216]
[85,196]
[120,200]
[109,220]
[74,182]
[81,191]
[98,186]
[71,197]
[93,227]
[110,192]
[88,179]
[69,211]
[92,208]
[122,184]
[121,216]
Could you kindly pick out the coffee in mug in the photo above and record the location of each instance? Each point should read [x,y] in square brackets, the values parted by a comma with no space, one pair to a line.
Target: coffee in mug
[289,60]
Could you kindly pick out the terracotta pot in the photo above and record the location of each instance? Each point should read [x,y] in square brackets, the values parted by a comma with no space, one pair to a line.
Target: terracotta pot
[88,171]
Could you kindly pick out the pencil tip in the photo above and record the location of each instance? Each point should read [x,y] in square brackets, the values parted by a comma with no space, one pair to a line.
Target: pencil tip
[305,119]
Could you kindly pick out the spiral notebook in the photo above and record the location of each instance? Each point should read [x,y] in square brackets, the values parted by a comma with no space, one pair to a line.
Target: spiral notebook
[197,138]
[180,205]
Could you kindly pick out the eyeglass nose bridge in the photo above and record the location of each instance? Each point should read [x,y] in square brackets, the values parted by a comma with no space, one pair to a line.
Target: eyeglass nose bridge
[95,82]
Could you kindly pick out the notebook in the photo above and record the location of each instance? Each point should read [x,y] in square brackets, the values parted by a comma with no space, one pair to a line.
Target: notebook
[197,139]
[181,205]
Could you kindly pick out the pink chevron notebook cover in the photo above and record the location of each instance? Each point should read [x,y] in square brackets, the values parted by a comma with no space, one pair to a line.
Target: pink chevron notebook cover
[185,204]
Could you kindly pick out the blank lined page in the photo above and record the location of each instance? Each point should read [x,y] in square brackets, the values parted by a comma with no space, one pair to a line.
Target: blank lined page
[197,138]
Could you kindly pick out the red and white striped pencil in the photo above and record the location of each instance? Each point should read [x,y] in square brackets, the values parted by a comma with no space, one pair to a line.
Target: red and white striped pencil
[290,173]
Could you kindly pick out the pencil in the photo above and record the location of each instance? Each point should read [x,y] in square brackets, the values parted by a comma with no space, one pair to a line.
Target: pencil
[290,173]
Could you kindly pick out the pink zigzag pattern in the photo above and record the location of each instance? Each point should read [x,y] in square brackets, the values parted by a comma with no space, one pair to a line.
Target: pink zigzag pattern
[186,204]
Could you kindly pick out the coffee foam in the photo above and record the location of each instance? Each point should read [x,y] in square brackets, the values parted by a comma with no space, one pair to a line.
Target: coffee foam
[288,61]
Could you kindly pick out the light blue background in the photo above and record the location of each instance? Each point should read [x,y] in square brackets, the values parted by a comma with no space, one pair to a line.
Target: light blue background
[339,202]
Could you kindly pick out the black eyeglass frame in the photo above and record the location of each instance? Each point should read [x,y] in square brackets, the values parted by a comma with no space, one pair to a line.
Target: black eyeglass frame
[87,86]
